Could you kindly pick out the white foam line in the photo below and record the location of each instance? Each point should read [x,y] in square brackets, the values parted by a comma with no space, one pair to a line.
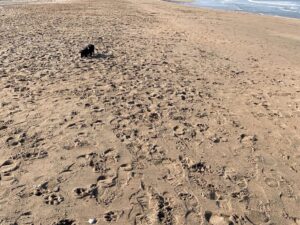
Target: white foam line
[274,3]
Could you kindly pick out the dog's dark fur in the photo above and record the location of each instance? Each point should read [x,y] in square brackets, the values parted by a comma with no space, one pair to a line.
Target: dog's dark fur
[88,51]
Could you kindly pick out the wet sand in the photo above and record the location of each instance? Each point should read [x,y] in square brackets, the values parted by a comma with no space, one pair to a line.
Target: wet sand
[183,116]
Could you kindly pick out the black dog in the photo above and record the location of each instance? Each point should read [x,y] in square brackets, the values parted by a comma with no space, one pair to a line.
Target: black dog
[88,51]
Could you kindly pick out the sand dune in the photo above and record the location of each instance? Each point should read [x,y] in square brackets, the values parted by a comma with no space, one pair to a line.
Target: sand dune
[183,116]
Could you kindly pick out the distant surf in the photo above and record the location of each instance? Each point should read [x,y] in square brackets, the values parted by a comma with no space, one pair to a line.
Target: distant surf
[285,8]
[23,2]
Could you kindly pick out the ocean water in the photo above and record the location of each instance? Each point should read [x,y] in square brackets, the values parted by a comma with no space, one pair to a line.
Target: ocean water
[285,8]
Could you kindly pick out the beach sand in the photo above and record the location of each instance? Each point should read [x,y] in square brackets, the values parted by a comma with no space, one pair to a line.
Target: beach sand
[183,116]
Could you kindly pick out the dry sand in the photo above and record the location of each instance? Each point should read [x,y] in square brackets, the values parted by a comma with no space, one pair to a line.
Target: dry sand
[184,116]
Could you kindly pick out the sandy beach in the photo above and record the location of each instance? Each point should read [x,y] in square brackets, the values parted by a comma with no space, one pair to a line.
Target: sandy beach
[184,116]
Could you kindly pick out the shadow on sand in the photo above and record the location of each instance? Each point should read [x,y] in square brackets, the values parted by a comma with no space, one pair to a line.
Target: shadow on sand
[102,56]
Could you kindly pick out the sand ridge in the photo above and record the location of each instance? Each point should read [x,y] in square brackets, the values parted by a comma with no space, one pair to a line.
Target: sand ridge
[184,116]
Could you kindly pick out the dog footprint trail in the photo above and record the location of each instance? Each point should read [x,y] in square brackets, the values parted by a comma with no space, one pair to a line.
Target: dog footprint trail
[221,197]
[105,188]
[150,207]
[182,133]
[112,168]
[277,189]
[140,211]
[274,184]
[132,134]
[191,207]
[187,208]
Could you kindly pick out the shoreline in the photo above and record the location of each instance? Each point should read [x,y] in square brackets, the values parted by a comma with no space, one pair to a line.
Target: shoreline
[193,4]
[183,116]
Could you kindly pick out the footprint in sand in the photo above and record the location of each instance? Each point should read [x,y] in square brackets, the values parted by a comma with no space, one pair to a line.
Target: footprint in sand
[217,219]
[256,217]
[30,155]
[106,196]
[112,216]
[271,182]
[65,222]
[141,211]
[6,170]
[164,209]
[91,191]
[107,182]
[53,199]
[155,153]
[192,209]
[248,140]
[11,141]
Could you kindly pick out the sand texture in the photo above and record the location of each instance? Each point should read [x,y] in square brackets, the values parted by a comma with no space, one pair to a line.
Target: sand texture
[183,117]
